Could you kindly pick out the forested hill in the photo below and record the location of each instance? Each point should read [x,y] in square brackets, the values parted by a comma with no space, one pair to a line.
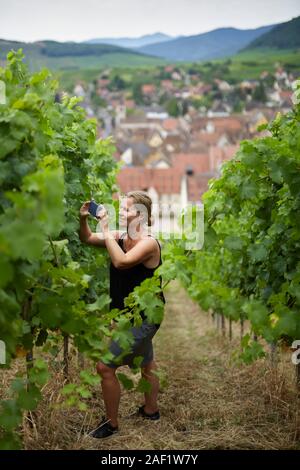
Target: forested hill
[283,36]
[56,55]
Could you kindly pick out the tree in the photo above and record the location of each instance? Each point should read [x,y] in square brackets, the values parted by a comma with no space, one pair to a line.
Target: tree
[117,83]
[173,107]
[259,93]
[137,93]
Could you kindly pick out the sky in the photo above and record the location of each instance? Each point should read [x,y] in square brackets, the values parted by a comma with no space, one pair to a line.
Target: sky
[80,20]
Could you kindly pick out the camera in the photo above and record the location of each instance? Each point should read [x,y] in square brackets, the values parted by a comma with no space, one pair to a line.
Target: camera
[95,208]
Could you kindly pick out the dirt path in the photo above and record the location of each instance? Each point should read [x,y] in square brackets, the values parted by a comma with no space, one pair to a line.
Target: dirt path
[206,400]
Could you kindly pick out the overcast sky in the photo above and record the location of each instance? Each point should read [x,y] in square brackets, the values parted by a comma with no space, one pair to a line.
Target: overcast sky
[79,20]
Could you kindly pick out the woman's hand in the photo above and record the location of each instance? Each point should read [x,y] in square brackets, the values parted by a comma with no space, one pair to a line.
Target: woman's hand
[102,216]
[84,210]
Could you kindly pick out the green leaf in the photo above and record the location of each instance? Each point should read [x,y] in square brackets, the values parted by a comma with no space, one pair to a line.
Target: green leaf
[233,243]
[258,252]
[68,389]
[144,386]
[10,415]
[137,361]
[28,400]
[89,378]
[100,303]
[126,381]
[39,373]
[6,271]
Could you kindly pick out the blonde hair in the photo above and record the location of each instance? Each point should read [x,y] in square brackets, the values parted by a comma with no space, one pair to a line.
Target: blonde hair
[141,197]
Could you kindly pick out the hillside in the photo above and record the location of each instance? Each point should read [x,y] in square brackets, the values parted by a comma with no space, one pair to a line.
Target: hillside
[70,55]
[215,44]
[283,36]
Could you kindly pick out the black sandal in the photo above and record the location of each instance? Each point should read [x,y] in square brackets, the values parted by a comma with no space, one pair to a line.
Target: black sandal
[153,416]
[104,429]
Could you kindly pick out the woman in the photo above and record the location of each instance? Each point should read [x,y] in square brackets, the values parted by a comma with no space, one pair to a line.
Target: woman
[135,255]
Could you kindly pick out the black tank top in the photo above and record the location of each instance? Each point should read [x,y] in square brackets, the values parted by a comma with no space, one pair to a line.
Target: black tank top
[123,281]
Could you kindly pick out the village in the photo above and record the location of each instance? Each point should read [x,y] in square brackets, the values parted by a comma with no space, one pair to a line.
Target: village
[173,133]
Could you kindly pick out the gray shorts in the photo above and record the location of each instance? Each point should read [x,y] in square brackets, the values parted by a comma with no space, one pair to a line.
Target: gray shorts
[142,346]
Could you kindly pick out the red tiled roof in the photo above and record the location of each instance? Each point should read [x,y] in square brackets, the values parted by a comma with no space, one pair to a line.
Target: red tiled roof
[167,84]
[148,89]
[103,82]
[168,180]
[221,124]
[170,124]
[286,95]
[129,103]
[230,123]
[165,181]
[207,137]
[198,161]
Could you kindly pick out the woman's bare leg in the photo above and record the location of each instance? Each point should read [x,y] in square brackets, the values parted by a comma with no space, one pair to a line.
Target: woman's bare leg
[111,392]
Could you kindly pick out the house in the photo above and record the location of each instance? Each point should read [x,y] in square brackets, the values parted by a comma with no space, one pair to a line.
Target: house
[129,103]
[148,89]
[248,85]
[155,112]
[233,126]
[223,85]
[286,98]
[155,139]
[273,98]
[79,90]
[219,109]
[265,74]
[158,159]
[281,74]
[103,82]
[257,118]
[169,68]
[171,125]
[120,111]
[167,85]
[176,76]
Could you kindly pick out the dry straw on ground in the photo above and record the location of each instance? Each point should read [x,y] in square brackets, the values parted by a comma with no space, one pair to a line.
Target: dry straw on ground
[207,400]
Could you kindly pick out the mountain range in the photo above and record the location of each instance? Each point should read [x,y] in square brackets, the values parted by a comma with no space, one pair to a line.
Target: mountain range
[133,42]
[221,42]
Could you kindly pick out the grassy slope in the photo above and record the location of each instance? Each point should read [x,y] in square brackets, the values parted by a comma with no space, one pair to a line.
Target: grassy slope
[264,59]
[92,62]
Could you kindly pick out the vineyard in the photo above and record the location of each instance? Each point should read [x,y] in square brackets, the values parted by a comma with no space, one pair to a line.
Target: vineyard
[54,303]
